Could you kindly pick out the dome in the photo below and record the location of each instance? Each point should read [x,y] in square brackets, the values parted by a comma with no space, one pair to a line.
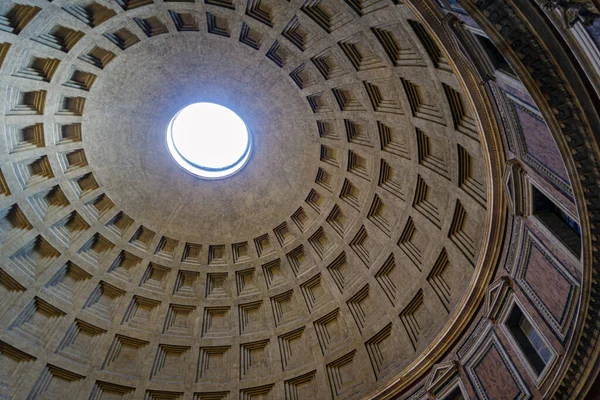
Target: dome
[407,212]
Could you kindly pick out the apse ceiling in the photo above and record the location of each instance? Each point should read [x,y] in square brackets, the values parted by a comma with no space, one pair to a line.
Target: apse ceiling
[325,268]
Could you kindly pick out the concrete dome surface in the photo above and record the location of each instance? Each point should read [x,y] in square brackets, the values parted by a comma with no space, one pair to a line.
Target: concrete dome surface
[416,218]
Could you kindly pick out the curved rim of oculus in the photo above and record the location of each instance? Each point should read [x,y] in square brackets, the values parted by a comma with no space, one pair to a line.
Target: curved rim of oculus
[208,140]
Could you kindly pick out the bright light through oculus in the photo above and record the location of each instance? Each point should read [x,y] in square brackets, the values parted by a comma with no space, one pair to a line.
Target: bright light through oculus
[208,140]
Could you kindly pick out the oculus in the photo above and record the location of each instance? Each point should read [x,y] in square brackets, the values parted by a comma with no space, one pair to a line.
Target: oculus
[208,140]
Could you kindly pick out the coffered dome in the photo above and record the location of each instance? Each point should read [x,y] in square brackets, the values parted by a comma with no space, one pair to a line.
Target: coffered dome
[344,260]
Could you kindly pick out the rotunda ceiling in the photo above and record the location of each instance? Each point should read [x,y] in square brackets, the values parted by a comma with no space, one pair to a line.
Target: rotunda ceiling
[328,264]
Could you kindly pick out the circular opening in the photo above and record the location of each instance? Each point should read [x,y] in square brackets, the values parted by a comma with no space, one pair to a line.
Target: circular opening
[208,140]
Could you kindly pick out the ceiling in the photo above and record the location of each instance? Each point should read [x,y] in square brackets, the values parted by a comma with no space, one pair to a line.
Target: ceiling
[364,200]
